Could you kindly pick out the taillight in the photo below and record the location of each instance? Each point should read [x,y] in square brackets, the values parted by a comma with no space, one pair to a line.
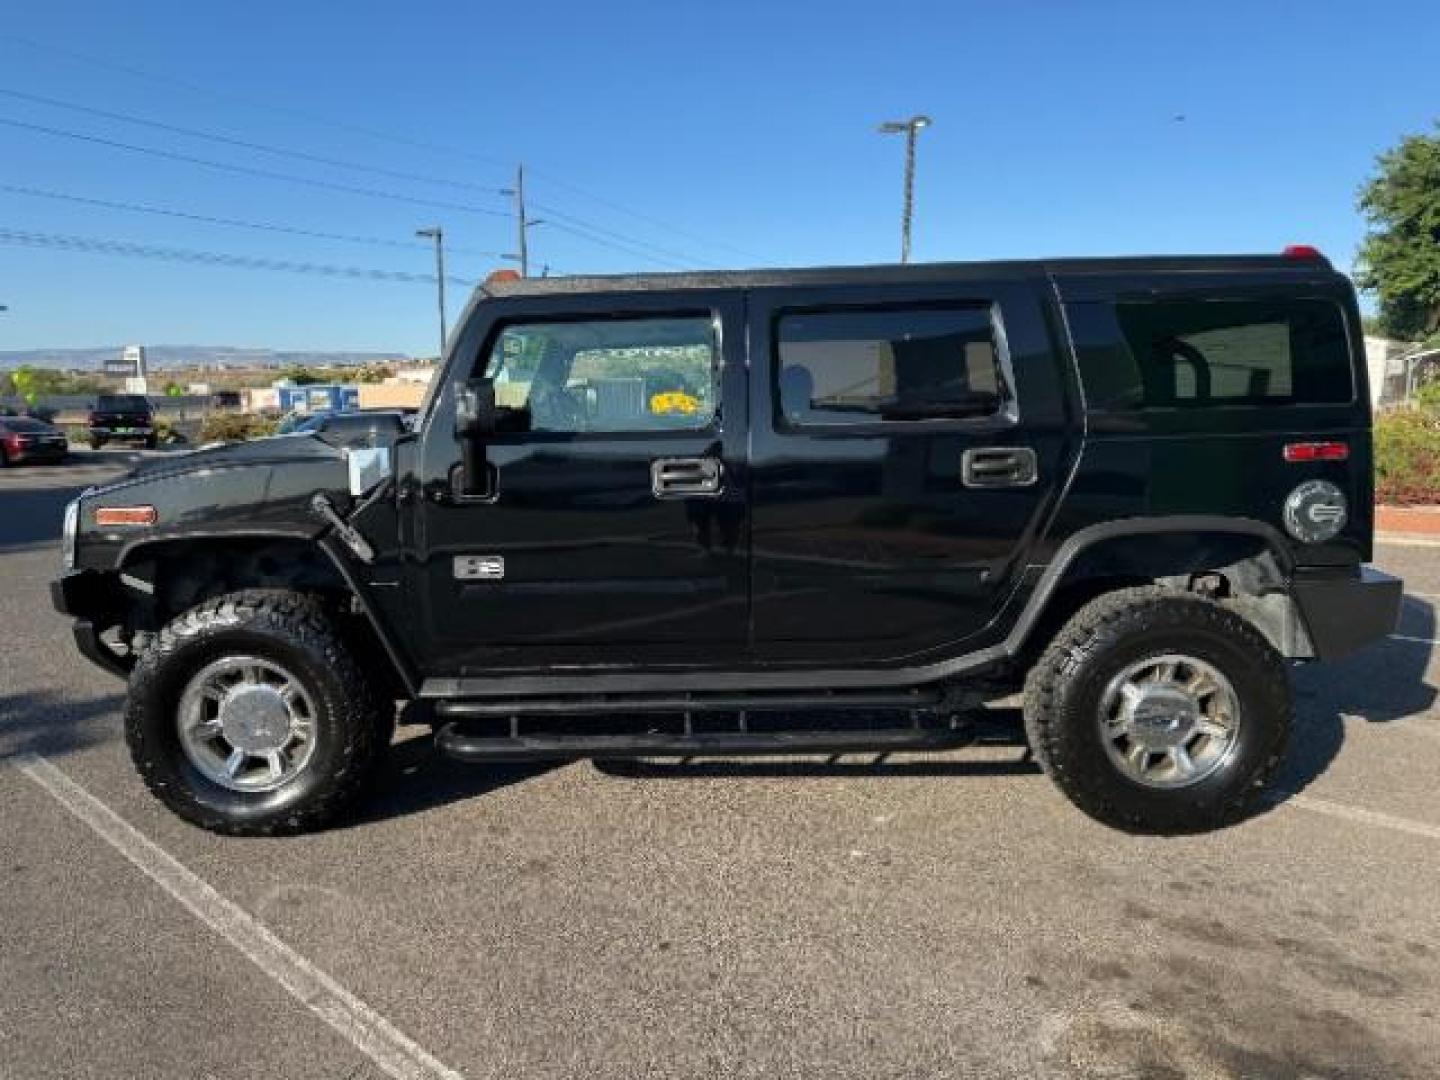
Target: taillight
[1316,451]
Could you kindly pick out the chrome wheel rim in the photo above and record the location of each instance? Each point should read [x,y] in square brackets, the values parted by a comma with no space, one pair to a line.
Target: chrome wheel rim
[1170,721]
[247,724]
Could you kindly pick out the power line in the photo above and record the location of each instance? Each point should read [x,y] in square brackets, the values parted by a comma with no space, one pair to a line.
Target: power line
[374,133]
[207,219]
[249,170]
[92,60]
[620,208]
[603,242]
[582,229]
[593,233]
[196,133]
[105,246]
[686,261]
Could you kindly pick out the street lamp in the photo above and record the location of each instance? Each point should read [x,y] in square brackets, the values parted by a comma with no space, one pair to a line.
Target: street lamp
[910,128]
[436,233]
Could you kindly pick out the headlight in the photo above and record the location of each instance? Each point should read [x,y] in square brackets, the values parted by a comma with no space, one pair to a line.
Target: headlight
[68,530]
[1316,511]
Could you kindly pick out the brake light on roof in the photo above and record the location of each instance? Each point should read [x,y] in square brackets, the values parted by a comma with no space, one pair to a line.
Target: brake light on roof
[125,515]
[1302,251]
[1296,452]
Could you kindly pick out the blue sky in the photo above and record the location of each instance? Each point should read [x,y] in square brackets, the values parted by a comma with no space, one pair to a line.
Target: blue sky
[724,134]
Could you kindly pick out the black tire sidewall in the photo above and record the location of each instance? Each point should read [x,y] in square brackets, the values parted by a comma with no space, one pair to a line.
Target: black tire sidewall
[1075,748]
[155,741]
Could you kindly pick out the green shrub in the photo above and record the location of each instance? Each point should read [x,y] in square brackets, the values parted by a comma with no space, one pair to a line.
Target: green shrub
[235,427]
[1407,457]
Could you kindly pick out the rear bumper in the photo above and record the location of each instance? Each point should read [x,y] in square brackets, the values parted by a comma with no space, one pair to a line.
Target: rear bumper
[39,453]
[1343,614]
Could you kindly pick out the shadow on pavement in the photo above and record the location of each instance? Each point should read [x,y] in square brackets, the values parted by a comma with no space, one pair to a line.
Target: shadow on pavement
[39,722]
[415,777]
[31,516]
[1382,684]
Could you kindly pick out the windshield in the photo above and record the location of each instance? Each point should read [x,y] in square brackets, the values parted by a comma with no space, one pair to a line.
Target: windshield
[123,403]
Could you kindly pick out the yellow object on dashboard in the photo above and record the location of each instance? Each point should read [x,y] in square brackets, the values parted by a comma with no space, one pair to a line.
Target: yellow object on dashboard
[674,401]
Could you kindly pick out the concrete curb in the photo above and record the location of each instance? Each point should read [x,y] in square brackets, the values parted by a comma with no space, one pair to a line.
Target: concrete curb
[1408,521]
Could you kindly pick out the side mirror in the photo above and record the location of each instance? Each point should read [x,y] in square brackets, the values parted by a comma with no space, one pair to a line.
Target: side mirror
[475,413]
[475,420]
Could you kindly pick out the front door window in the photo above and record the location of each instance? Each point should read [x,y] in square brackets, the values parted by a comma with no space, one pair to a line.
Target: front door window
[608,376]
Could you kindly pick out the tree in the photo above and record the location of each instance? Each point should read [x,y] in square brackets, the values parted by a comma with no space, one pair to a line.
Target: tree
[301,376]
[1400,256]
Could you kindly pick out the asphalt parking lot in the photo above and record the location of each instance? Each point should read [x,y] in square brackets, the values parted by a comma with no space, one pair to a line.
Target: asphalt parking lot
[928,917]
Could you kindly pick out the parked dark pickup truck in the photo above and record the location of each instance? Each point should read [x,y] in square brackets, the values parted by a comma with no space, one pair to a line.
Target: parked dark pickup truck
[122,418]
[794,511]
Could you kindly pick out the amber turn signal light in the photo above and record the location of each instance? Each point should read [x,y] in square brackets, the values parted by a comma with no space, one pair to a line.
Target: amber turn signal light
[125,515]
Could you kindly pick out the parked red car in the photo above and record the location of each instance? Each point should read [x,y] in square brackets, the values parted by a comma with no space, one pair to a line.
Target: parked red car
[25,438]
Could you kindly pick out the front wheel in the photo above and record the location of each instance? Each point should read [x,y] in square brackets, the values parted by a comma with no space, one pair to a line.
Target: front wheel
[1159,712]
[248,716]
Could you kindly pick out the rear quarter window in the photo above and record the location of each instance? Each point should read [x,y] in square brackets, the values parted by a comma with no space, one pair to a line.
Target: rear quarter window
[1198,354]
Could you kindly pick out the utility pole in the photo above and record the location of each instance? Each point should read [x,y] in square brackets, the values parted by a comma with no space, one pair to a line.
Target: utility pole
[436,233]
[911,128]
[520,217]
[523,222]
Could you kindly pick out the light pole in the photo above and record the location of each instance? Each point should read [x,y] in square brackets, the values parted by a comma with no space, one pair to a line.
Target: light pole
[911,128]
[436,233]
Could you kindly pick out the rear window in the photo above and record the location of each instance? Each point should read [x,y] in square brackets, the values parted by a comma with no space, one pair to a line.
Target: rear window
[123,403]
[1212,353]
[857,366]
[23,423]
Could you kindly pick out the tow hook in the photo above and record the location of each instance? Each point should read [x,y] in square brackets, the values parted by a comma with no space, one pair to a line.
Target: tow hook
[348,534]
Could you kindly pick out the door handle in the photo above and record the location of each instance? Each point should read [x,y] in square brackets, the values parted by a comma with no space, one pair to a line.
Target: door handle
[998,467]
[686,478]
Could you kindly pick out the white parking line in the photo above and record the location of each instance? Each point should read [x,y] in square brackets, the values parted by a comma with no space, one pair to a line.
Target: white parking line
[1365,817]
[374,1036]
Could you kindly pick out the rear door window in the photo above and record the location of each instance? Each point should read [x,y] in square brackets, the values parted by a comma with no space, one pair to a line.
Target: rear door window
[1212,353]
[864,366]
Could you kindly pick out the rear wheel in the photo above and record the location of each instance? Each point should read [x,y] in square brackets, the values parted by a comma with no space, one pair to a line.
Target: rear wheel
[249,716]
[1159,712]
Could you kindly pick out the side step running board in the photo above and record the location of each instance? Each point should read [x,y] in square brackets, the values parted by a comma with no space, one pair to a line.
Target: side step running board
[680,703]
[455,743]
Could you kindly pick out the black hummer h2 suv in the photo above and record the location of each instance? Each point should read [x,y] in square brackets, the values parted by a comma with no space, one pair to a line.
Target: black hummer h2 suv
[790,511]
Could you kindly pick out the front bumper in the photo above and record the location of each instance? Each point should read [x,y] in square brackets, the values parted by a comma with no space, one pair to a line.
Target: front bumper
[1343,614]
[90,598]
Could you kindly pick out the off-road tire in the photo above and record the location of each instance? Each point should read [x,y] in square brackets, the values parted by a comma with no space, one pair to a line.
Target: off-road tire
[353,728]
[1064,690]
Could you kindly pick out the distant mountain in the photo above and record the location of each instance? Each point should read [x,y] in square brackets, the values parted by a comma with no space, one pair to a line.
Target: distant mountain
[172,356]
